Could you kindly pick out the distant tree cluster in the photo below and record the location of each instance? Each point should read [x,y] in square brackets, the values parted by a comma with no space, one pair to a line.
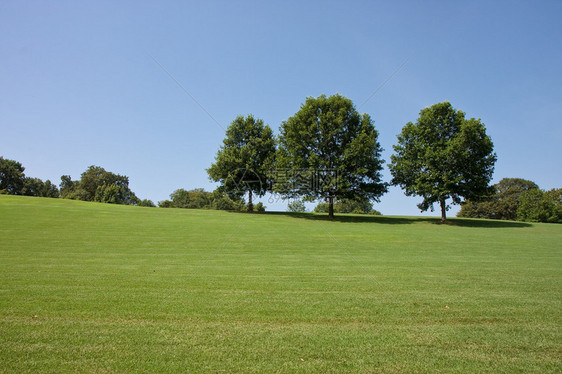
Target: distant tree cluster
[200,199]
[541,206]
[97,184]
[14,182]
[517,199]
[354,206]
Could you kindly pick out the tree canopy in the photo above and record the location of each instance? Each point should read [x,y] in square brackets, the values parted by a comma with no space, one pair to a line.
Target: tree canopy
[327,150]
[243,162]
[443,156]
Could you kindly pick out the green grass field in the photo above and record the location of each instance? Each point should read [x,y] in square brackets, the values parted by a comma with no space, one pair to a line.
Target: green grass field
[87,287]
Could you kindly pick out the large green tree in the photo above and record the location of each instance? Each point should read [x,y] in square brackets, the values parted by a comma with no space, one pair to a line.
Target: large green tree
[443,156]
[12,177]
[329,151]
[244,160]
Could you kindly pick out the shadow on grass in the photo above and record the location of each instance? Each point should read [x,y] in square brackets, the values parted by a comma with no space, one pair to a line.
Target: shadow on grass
[395,220]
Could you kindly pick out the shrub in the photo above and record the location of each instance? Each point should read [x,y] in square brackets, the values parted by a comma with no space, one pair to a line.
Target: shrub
[166,204]
[193,199]
[361,206]
[147,203]
[259,207]
[296,206]
[226,203]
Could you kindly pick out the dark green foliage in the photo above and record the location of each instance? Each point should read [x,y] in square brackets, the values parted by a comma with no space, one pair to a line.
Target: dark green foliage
[50,190]
[226,203]
[36,187]
[296,206]
[539,206]
[194,199]
[95,177]
[260,208]
[244,160]
[355,206]
[32,186]
[67,186]
[443,156]
[14,182]
[12,176]
[166,204]
[180,198]
[554,198]
[328,135]
[517,199]
[200,199]
[97,184]
[503,204]
[115,194]
[147,203]
[324,208]
[223,201]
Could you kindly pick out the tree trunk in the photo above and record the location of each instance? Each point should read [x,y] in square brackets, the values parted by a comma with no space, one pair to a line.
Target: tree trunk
[443,210]
[331,207]
[250,205]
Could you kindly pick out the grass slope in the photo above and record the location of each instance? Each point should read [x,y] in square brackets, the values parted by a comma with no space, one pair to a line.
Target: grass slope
[101,288]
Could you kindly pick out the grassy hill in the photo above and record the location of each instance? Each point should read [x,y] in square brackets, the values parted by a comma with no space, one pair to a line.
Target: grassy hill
[88,287]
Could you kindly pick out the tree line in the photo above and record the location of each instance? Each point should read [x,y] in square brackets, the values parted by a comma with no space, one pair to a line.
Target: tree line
[95,184]
[99,185]
[329,152]
[14,182]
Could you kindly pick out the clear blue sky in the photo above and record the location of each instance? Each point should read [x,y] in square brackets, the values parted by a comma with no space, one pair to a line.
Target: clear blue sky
[79,86]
